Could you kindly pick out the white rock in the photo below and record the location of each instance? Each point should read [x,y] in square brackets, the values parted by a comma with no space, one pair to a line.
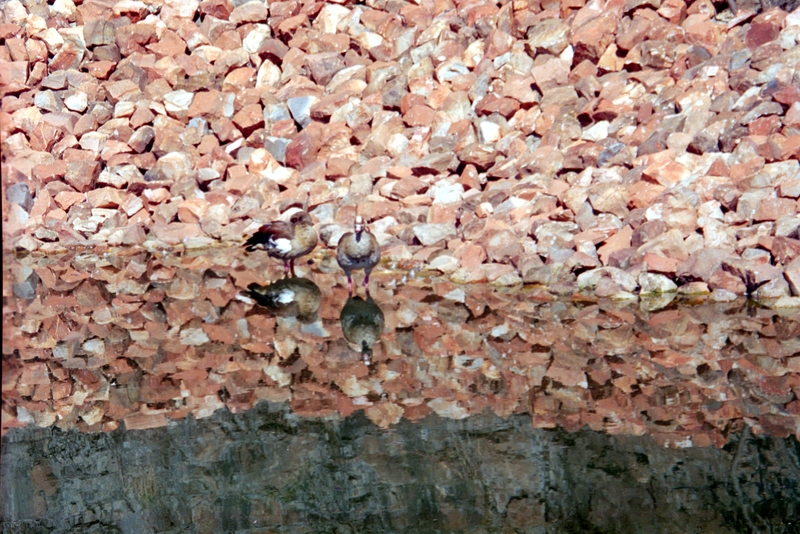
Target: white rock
[589,279]
[193,336]
[653,283]
[95,346]
[77,101]
[329,18]
[444,263]
[300,108]
[488,132]
[431,233]
[15,12]
[178,101]
[446,193]
[253,40]
[596,132]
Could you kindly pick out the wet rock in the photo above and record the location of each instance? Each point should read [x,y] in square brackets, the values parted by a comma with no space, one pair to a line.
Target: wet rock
[652,283]
[702,264]
[774,289]
[590,279]
[727,282]
[752,273]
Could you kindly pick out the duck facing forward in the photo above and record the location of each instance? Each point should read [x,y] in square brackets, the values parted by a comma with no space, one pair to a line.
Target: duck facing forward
[358,250]
[285,240]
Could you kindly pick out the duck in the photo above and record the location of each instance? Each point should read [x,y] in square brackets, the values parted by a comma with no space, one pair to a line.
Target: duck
[358,249]
[289,297]
[362,324]
[285,240]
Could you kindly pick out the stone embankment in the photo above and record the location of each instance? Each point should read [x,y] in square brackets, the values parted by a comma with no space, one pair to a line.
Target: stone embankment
[623,146]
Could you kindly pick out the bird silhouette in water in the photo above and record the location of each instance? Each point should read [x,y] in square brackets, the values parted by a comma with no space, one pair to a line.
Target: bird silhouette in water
[285,240]
[358,249]
[289,297]
[362,324]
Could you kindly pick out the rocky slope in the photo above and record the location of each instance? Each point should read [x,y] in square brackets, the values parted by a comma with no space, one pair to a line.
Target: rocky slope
[622,146]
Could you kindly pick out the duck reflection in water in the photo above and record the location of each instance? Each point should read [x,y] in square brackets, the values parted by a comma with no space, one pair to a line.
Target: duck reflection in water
[289,297]
[362,324]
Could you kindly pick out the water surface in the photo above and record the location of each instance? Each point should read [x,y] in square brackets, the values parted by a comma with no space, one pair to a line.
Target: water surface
[165,392]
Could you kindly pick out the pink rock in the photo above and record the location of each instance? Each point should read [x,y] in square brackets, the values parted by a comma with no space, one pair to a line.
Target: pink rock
[792,276]
[726,281]
[660,264]
[772,209]
[82,174]
[302,150]
[752,273]
[702,264]
[785,249]
[105,197]
[13,76]
[492,103]
[591,39]
[618,241]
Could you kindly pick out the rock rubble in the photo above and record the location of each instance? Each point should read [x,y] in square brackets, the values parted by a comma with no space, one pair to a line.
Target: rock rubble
[641,146]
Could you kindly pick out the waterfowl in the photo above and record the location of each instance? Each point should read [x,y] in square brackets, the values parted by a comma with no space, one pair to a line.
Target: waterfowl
[358,250]
[289,297]
[285,240]
[362,324]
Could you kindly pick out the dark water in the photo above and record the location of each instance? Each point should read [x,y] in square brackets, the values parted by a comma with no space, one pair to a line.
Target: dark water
[268,470]
[155,393]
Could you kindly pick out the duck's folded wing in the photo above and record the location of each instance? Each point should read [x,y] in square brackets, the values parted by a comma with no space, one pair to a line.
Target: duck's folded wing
[273,235]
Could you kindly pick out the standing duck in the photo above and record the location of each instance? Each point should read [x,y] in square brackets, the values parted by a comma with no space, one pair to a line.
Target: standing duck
[286,240]
[358,250]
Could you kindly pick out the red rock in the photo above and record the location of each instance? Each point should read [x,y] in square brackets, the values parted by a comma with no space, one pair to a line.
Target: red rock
[752,273]
[302,150]
[673,10]
[591,39]
[249,117]
[68,57]
[492,103]
[761,33]
[618,241]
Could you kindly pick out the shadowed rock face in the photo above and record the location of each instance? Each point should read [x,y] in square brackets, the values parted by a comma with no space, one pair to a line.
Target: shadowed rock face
[761,5]
[269,469]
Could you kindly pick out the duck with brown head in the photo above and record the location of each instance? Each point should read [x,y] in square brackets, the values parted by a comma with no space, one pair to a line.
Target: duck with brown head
[285,240]
[358,249]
